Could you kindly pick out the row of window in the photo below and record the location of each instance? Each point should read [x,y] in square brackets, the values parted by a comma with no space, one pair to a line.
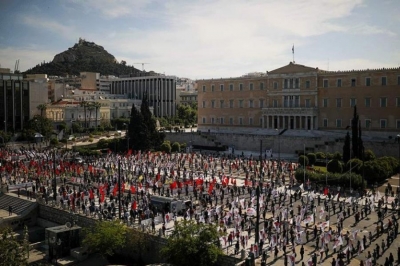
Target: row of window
[231,87]
[294,101]
[231,121]
[289,101]
[383,102]
[383,124]
[367,82]
[231,104]
[294,83]
[367,123]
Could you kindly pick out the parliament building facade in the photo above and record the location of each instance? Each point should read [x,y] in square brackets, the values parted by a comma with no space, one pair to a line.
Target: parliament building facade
[302,98]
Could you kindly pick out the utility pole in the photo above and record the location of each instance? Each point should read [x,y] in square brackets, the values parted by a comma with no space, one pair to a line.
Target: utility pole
[55,177]
[256,233]
[119,189]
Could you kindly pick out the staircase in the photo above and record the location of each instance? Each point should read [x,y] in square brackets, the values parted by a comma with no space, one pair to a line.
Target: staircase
[19,206]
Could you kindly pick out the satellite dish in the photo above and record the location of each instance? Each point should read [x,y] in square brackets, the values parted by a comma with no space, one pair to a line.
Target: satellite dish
[68,224]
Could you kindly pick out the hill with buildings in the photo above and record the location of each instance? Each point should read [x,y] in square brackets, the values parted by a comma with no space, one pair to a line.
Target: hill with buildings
[85,56]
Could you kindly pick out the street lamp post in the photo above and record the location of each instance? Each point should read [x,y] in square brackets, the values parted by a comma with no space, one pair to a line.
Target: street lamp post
[119,189]
[304,164]
[279,145]
[257,234]
[55,177]
[350,166]
[398,141]
[326,165]
[126,134]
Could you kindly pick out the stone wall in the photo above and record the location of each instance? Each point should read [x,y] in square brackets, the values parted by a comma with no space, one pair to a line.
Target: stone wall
[286,144]
[62,217]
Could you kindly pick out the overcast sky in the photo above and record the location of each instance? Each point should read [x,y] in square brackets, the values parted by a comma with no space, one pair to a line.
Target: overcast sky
[207,39]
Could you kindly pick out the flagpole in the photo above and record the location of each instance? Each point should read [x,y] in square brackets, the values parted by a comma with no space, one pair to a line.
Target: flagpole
[293,52]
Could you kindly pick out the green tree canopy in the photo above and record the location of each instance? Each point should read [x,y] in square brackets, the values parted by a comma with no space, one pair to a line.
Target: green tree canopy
[356,165]
[175,147]
[105,237]
[311,158]
[346,148]
[12,252]
[187,114]
[193,244]
[166,147]
[335,166]
[369,155]
[39,124]
[142,128]
[320,155]
[337,156]
[303,160]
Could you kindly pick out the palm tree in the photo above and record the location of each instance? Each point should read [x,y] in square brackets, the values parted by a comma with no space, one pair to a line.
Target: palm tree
[84,104]
[96,105]
[90,107]
[42,107]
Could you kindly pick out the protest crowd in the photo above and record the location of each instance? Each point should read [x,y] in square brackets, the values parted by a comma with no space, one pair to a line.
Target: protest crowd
[295,216]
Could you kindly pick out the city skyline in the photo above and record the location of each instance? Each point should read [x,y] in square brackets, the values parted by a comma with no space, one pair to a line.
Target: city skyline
[207,39]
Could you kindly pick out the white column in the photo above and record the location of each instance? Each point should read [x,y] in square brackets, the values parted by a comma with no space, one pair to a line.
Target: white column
[312,122]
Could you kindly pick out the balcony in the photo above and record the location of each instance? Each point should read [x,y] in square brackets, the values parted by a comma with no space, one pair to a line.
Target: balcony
[306,111]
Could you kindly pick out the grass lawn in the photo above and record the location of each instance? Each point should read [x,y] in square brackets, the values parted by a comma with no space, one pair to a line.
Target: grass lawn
[321,169]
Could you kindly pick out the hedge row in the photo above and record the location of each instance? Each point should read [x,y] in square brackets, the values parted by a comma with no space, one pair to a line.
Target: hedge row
[342,180]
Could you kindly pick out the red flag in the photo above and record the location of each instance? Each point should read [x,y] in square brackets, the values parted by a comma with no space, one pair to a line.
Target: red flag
[133,189]
[199,182]
[91,196]
[102,197]
[115,190]
[129,152]
[134,205]
[90,168]
[210,188]
[173,185]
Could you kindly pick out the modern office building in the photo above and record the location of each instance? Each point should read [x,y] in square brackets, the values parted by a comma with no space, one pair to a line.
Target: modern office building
[302,98]
[19,100]
[161,92]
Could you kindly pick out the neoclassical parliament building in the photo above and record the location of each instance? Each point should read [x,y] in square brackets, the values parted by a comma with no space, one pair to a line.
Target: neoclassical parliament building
[302,98]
